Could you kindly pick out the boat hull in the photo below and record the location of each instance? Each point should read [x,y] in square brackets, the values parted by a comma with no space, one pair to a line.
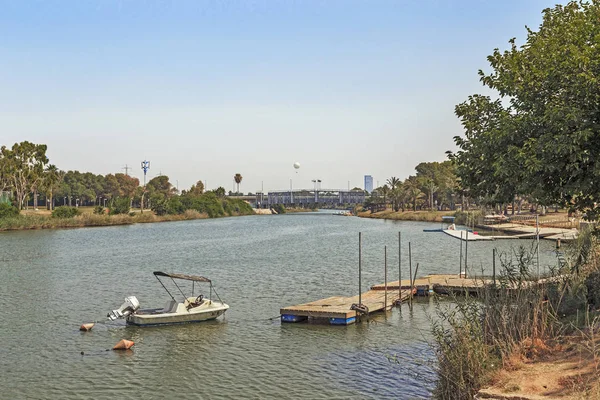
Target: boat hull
[172,318]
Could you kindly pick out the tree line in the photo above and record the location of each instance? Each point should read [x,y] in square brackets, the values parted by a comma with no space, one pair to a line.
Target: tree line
[27,175]
[434,186]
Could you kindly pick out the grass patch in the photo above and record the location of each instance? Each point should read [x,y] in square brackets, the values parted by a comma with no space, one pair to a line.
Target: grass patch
[515,320]
[25,222]
[426,216]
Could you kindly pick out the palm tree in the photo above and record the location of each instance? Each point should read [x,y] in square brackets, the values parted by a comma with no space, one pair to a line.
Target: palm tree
[238,179]
[393,182]
[413,191]
[431,188]
[52,178]
[385,190]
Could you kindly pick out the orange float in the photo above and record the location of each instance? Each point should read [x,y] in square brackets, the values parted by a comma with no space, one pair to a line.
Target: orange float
[86,327]
[124,344]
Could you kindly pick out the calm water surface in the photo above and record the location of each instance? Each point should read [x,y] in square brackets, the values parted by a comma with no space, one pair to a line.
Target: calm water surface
[54,280]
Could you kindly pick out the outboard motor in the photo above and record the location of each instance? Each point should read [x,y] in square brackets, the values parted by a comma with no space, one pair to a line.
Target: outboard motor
[130,306]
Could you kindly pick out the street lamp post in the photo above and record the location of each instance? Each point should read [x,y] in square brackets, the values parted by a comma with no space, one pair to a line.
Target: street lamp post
[145,168]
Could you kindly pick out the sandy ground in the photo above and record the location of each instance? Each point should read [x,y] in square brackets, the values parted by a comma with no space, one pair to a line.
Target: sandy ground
[568,371]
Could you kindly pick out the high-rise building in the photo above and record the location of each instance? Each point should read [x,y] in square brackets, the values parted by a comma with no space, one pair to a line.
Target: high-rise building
[368,183]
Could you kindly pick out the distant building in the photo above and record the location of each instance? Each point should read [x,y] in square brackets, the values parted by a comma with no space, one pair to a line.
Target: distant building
[368,183]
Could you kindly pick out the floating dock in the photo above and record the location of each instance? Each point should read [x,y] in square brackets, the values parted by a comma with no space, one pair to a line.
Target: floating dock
[338,310]
[439,284]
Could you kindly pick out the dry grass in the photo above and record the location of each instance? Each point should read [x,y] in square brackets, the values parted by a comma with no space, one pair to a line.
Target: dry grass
[427,216]
[40,221]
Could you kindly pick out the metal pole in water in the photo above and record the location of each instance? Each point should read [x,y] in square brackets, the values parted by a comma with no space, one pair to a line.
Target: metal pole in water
[410,271]
[466,251]
[399,268]
[460,263]
[494,266]
[537,234]
[385,277]
[359,267]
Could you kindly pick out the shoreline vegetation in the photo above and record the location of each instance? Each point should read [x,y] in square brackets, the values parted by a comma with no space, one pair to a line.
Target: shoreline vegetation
[538,340]
[31,221]
[425,216]
[42,219]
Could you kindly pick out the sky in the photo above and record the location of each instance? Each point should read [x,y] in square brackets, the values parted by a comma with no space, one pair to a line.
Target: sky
[208,89]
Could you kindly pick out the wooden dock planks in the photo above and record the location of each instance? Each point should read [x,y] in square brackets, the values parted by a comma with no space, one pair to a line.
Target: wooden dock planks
[454,282]
[337,309]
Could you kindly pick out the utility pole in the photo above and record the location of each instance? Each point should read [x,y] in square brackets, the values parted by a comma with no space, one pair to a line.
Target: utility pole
[126,168]
[145,168]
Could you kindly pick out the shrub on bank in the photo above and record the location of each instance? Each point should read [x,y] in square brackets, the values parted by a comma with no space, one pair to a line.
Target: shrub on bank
[98,210]
[279,208]
[65,212]
[120,205]
[8,210]
[237,207]
[476,336]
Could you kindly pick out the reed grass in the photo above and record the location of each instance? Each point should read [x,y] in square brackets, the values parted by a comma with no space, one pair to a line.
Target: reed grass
[425,216]
[26,222]
[516,318]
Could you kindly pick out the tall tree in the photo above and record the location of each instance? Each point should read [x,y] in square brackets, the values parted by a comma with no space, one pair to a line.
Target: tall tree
[197,189]
[238,179]
[25,167]
[545,133]
[52,179]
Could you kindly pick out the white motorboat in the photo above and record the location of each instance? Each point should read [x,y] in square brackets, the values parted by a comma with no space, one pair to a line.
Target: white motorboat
[190,309]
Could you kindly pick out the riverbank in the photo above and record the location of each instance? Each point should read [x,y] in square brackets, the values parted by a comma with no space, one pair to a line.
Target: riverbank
[536,341]
[45,221]
[425,216]
[567,370]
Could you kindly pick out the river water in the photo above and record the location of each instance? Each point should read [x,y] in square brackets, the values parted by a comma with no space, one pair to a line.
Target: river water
[52,281]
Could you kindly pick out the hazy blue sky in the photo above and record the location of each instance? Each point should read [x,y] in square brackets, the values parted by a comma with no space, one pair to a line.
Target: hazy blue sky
[205,89]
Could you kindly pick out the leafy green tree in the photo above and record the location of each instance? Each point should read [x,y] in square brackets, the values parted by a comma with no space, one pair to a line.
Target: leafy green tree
[544,132]
[160,185]
[220,192]
[197,189]
[23,167]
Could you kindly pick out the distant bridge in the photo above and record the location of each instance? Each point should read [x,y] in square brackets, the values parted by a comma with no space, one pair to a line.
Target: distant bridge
[311,198]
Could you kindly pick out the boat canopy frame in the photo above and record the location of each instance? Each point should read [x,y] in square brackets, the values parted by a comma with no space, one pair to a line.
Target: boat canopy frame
[192,278]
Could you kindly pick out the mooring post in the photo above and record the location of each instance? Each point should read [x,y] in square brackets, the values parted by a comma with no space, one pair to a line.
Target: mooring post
[359,267]
[460,261]
[494,266]
[410,272]
[399,268]
[466,250]
[385,277]
[416,271]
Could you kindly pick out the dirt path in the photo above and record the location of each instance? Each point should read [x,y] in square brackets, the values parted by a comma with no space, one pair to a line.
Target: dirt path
[569,372]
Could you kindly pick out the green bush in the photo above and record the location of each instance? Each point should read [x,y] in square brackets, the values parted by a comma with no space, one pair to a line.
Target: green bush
[120,205]
[8,210]
[279,208]
[65,212]
[175,206]
[207,203]
[159,207]
[237,206]
[98,210]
